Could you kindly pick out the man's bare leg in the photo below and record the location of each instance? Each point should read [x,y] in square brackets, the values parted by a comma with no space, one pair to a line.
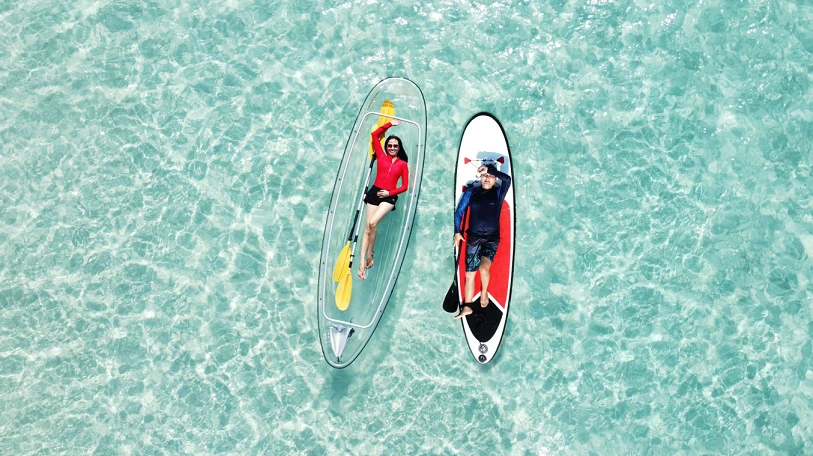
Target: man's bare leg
[469,295]
[485,275]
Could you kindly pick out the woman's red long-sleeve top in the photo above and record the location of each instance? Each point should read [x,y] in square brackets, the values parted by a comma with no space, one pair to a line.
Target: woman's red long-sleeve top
[388,170]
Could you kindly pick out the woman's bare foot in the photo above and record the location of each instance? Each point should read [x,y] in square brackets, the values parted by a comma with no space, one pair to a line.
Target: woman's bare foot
[362,273]
[369,260]
[465,310]
[484,300]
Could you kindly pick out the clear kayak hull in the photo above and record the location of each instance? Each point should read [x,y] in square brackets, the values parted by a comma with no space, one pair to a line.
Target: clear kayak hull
[347,324]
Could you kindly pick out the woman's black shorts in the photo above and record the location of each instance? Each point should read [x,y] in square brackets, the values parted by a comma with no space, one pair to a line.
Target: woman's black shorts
[372,198]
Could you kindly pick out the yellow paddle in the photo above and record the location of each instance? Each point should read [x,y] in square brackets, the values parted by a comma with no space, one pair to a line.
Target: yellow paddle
[343,274]
[344,256]
[386,108]
[344,290]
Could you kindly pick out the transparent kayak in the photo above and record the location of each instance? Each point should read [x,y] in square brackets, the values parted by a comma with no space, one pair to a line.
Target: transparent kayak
[349,309]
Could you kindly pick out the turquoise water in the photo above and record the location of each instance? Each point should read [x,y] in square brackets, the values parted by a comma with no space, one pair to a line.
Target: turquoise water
[166,168]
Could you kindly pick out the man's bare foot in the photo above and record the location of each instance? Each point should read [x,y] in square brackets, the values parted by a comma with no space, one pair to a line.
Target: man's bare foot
[369,260]
[465,310]
[484,301]
[362,273]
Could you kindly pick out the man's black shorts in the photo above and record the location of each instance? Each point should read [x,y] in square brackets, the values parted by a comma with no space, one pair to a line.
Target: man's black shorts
[476,248]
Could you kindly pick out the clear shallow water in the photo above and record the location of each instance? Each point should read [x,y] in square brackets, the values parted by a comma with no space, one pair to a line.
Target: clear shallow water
[165,172]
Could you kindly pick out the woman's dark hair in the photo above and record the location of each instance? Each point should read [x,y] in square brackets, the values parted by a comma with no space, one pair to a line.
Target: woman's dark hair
[401,152]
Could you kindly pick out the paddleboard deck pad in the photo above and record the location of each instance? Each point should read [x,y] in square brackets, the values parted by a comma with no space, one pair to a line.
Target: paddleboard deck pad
[484,142]
[345,326]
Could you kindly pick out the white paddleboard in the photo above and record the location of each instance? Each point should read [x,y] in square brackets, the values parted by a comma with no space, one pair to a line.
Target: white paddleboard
[484,142]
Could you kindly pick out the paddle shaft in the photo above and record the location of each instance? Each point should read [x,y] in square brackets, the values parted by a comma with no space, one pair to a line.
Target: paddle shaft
[457,264]
[356,222]
[457,254]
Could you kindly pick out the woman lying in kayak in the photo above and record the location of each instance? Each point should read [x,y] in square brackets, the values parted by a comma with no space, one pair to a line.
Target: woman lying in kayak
[381,198]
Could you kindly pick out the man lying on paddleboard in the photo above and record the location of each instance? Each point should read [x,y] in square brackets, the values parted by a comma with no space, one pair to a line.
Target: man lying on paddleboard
[485,203]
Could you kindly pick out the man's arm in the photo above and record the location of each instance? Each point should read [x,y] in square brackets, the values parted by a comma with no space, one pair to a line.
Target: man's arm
[461,209]
[505,178]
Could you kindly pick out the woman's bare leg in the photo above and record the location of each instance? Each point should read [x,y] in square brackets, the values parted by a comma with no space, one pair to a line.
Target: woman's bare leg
[362,273]
[372,224]
[374,215]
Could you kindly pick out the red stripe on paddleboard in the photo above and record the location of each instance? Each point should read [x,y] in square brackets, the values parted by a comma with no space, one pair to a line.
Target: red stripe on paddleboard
[500,268]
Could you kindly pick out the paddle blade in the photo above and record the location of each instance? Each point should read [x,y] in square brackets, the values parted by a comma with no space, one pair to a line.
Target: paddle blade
[386,108]
[452,299]
[341,262]
[344,290]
